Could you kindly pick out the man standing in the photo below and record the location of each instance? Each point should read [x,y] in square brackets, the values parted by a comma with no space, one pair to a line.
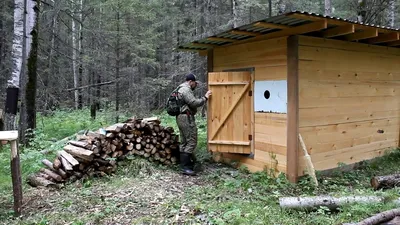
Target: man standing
[186,122]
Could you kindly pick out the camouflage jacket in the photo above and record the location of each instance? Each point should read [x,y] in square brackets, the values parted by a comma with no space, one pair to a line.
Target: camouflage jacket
[191,103]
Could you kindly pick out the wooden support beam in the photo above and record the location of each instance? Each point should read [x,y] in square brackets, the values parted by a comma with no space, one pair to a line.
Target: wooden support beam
[228,83]
[394,43]
[190,50]
[292,142]
[371,33]
[203,45]
[221,39]
[306,28]
[336,22]
[242,32]
[271,25]
[338,31]
[384,38]
[203,53]
[16,178]
[302,29]
[244,143]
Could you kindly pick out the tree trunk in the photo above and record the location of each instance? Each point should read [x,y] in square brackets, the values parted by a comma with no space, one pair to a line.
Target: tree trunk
[30,92]
[361,11]
[234,12]
[379,218]
[392,9]
[13,85]
[74,58]
[80,50]
[118,48]
[388,181]
[328,8]
[270,8]
[50,69]
[328,201]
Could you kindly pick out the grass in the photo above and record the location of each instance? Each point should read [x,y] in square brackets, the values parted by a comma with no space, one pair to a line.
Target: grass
[145,193]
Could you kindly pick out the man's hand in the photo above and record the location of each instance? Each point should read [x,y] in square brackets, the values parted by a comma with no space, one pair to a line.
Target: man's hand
[208,94]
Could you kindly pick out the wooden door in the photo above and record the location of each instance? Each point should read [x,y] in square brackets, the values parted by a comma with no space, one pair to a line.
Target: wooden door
[230,127]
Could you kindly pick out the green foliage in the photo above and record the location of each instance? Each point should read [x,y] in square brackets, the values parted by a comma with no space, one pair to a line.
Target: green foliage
[222,195]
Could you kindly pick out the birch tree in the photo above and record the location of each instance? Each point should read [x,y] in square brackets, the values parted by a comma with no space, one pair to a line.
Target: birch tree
[235,15]
[17,58]
[328,7]
[391,15]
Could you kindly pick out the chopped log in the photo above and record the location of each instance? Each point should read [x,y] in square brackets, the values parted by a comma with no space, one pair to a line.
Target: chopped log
[379,218]
[115,128]
[173,160]
[89,155]
[56,163]
[36,181]
[328,201]
[50,165]
[51,174]
[81,144]
[95,135]
[79,152]
[129,147]
[151,119]
[65,164]
[45,176]
[385,182]
[69,158]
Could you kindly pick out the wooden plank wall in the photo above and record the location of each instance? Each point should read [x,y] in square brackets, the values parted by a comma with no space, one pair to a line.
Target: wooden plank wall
[269,60]
[349,101]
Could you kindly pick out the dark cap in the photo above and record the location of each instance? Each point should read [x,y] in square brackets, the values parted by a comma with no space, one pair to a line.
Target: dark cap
[191,77]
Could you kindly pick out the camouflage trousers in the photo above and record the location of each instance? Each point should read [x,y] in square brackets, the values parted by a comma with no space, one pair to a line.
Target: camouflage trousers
[188,133]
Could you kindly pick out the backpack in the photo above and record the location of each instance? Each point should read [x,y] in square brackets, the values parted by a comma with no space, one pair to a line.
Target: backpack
[174,104]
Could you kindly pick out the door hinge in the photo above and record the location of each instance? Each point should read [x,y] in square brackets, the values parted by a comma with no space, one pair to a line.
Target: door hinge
[250,137]
[250,93]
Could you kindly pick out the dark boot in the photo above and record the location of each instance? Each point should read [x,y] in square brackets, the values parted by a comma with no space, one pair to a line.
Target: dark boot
[186,164]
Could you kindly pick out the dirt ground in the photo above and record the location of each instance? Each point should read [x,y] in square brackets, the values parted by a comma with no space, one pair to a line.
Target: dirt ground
[147,198]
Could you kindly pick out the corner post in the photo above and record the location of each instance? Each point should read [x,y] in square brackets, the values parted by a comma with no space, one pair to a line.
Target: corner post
[292,108]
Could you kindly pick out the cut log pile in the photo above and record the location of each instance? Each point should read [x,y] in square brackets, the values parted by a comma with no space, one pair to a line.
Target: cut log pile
[97,153]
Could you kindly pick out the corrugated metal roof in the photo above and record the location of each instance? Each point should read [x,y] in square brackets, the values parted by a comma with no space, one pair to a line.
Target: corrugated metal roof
[292,19]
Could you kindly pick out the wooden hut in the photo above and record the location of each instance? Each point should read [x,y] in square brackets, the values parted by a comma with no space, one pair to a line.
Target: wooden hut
[333,81]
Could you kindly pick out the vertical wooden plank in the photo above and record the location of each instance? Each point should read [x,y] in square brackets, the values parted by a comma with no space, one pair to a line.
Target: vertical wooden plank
[16,178]
[292,108]
[210,68]
[252,111]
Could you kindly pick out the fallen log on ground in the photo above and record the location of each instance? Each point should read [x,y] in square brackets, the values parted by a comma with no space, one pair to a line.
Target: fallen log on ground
[36,181]
[385,182]
[379,218]
[97,153]
[327,201]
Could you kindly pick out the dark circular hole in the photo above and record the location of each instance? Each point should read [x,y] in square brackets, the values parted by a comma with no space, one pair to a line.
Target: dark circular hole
[267,94]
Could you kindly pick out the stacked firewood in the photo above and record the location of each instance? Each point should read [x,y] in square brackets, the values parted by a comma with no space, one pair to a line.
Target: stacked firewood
[97,153]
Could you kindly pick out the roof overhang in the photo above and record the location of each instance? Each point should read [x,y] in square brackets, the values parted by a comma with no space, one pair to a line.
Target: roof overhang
[299,23]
